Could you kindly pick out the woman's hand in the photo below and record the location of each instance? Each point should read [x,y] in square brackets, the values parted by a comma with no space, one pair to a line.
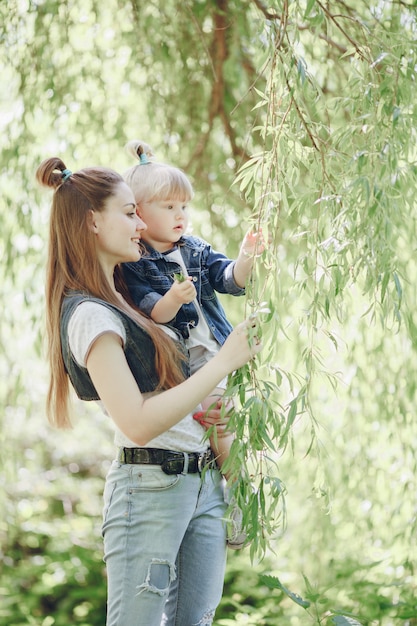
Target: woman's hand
[241,346]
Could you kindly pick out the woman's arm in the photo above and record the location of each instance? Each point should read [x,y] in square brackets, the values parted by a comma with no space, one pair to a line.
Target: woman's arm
[142,419]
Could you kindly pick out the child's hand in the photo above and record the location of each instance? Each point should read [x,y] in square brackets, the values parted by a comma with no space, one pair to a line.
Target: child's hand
[253,244]
[182,289]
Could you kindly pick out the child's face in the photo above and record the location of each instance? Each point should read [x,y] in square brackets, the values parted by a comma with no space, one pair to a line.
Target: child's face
[166,222]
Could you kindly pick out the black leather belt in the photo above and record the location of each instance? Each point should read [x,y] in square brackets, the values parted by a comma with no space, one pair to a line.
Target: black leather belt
[171,462]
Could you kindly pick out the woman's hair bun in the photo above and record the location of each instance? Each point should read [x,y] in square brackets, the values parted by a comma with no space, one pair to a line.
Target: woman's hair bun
[50,172]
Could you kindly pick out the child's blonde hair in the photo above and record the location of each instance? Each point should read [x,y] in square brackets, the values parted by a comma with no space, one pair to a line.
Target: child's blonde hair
[151,180]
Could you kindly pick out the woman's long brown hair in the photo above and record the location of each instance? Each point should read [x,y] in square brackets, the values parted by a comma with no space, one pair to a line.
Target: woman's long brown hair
[73,264]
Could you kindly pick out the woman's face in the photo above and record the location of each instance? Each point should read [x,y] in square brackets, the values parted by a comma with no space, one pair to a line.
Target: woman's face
[118,228]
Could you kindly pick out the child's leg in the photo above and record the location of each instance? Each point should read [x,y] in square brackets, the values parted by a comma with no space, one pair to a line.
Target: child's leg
[220,442]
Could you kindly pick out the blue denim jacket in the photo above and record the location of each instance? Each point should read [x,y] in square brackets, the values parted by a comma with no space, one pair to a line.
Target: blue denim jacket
[139,350]
[152,276]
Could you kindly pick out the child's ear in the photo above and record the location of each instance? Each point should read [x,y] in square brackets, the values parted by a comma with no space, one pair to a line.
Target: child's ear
[92,222]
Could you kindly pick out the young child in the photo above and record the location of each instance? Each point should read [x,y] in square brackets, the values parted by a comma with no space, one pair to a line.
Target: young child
[178,275]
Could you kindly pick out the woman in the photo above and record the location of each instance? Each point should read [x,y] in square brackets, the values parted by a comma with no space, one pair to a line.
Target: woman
[164,536]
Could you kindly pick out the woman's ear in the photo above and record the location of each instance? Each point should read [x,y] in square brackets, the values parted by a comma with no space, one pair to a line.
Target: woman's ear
[92,222]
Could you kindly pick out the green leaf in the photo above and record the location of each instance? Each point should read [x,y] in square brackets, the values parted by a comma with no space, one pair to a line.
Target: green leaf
[398,288]
[344,620]
[309,7]
[274,583]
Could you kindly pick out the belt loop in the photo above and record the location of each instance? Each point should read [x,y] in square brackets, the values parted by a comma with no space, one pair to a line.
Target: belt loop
[186,463]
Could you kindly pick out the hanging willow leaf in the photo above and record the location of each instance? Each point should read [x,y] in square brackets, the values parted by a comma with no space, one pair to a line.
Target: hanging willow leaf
[275,583]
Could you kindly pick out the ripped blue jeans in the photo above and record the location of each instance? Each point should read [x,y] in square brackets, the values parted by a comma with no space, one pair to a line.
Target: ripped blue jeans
[164,546]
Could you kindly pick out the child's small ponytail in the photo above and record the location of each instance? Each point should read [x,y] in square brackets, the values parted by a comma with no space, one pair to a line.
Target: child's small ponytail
[139,150]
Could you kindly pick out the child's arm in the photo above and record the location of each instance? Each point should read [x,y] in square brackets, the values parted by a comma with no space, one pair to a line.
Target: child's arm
[253,245]
[168,306]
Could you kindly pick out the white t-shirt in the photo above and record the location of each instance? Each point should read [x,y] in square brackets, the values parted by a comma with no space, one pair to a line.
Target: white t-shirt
[87,323]
[201,343]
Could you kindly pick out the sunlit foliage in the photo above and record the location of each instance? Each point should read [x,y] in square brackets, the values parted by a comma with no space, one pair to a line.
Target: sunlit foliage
[298,117]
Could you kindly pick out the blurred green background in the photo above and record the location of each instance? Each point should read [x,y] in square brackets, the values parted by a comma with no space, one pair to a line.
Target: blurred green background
[298,117]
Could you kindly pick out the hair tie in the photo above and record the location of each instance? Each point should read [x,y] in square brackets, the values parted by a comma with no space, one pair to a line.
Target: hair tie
[143,159]
[66,174]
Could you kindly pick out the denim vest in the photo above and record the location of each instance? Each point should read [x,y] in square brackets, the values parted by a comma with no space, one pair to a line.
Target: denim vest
[139,350]
[152,276]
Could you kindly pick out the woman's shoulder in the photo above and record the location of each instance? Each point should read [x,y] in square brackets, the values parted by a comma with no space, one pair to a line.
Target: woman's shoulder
[96,307]
[97,314]
[89,304]
[83,310]
[73,299]
[87,322]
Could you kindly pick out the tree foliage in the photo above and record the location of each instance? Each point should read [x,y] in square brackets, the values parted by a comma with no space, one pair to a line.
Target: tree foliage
[296,117]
